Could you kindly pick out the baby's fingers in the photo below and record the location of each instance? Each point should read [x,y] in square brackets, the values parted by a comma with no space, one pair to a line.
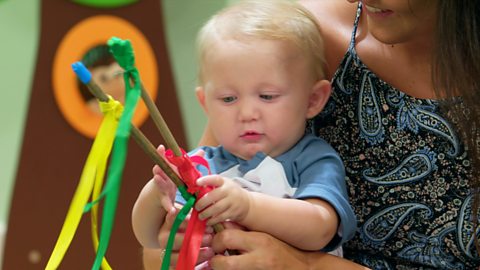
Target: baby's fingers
[211,180]
[167,203]
[161,150]
[209,199]
[160,177]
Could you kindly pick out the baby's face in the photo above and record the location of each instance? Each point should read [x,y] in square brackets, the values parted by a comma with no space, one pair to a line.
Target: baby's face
[256,95]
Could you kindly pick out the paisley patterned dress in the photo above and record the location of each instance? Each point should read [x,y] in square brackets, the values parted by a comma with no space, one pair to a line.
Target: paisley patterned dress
[407,173]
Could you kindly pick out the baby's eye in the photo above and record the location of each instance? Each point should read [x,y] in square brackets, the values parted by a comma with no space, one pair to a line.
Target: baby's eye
[268,97]
[229,99]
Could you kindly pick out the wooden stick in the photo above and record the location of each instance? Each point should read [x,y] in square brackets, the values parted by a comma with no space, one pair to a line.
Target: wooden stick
[168,137]
[140,138]
[160,123]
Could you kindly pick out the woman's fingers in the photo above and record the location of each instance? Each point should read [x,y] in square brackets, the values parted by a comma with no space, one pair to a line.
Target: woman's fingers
[205,254]
[258,251]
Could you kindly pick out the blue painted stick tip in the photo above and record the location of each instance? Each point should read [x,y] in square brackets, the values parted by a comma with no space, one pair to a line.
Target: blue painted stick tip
[82,72]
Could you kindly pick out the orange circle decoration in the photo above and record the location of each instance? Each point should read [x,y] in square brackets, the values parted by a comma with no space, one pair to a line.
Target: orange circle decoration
[82,37]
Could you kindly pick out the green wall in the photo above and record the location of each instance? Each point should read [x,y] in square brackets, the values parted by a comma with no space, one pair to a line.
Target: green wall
[19,26]
[183,19]
[19,31]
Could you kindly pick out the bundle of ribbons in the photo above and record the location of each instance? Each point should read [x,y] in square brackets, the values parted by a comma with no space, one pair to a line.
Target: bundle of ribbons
[112,139]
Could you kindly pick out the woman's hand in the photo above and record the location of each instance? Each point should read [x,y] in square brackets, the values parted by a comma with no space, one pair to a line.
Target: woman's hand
[263,251]
[258,251]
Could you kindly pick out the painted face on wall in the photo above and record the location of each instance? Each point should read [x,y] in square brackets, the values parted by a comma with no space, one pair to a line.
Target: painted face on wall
[110,79]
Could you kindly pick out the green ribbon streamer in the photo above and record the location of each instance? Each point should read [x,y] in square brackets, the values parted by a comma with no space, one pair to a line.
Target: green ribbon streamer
[123,53]
[190,201]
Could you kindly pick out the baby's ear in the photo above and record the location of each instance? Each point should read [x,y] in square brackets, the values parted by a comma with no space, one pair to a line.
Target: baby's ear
[318,97]
[200,93]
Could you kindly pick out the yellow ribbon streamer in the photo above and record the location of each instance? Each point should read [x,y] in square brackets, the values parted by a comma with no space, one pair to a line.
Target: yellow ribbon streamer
[90,180]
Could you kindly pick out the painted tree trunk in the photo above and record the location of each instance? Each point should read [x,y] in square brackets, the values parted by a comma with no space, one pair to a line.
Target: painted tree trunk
[54,152]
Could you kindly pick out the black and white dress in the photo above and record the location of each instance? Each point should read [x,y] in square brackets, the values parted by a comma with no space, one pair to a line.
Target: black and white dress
[407,173]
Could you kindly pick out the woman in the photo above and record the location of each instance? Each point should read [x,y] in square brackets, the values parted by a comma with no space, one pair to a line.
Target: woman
[408,142]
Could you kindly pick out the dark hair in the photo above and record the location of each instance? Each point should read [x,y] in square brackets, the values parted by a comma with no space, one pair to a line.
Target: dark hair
[456,76]
[98,55]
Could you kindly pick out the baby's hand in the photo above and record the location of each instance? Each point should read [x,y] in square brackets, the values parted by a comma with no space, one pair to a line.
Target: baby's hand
[228,201]
[166,186]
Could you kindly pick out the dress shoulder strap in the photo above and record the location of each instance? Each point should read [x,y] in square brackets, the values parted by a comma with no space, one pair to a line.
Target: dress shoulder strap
[355,25]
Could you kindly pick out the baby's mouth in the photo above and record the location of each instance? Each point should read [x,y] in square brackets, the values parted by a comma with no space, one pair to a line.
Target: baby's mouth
[251,135]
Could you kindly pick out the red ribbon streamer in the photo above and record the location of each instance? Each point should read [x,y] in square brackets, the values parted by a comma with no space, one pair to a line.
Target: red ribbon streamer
[196,228]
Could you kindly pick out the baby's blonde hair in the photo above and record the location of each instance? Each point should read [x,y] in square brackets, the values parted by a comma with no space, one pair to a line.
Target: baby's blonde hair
[282,20]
